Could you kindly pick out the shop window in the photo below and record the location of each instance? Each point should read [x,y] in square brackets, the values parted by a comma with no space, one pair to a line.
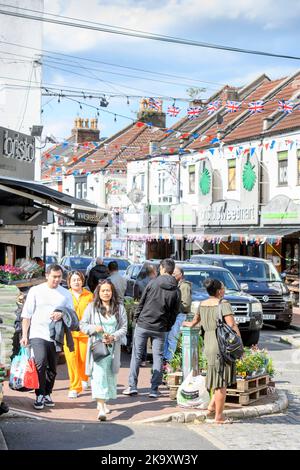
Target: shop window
[161,182]
[232,174]
[282,168]
[142,188]
[192,179]
[81,188]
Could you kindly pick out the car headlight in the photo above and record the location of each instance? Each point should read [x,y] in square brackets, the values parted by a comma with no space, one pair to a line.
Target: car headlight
[256,307]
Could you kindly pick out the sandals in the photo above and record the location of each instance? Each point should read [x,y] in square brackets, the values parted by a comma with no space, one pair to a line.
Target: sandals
[210,412]
[225,421]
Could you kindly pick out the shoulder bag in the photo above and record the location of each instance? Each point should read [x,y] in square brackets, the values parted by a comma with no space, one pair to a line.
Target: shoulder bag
[99,349]
[229,342]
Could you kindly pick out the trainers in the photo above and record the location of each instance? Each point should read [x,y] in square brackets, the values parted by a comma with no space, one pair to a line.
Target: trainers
[130,391]
[85,385]
[154,394]
[48,401]
[39,402]
[72,394]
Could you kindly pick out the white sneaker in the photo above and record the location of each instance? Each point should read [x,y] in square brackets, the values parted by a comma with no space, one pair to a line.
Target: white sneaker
[72,394]
[85,385]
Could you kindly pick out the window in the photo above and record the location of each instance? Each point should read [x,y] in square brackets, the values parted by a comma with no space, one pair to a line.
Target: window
[192,178]
[232,174]
[142,188]
[161,182]
[282,168]
[298,166]
[80,188]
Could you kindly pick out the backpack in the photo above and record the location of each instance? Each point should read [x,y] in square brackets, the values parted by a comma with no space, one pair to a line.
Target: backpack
[230,343]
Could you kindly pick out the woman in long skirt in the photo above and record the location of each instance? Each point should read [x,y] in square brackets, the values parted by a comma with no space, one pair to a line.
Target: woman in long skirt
[104,319]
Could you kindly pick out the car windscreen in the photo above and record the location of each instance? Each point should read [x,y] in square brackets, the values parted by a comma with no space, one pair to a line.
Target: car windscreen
[80,263]
[252,270]
[197,278]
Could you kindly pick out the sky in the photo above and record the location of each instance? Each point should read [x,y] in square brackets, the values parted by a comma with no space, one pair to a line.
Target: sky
[253,24]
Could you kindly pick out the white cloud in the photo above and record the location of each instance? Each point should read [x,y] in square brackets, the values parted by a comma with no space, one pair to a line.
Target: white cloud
[182,18]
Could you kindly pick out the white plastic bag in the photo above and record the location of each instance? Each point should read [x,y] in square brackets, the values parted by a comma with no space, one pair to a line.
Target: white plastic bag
[192,392]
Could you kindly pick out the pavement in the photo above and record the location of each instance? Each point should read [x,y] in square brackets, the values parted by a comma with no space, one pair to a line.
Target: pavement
[143,415]
[135,409]
[296,319]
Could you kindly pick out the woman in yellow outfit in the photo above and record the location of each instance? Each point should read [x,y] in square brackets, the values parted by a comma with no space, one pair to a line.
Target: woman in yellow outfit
[76,359]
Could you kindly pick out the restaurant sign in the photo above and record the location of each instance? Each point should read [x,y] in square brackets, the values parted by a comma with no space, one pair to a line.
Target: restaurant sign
[17,153]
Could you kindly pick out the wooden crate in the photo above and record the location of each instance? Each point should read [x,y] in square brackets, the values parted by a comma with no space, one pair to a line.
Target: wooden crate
[245,385]
[174,378]
[173,391]
[245,398]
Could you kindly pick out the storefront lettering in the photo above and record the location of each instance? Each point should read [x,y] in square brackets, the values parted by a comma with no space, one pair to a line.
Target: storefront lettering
[18,147]
[223,214]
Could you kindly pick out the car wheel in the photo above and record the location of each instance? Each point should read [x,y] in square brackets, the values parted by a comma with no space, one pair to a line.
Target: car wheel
[282,325]
[250,338]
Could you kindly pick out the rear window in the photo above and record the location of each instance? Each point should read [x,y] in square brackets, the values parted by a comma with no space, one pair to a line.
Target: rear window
[80,263]
[122,263]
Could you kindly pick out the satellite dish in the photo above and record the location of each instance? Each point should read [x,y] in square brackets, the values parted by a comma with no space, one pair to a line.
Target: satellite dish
[219,118]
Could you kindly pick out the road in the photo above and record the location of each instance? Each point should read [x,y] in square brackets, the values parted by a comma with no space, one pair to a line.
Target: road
[281,431]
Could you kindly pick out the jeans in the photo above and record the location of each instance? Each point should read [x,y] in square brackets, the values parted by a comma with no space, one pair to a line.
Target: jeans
[172,337]
[139,342]
[45,358]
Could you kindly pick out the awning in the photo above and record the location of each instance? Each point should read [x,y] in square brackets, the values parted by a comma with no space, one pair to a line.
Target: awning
[81,211]
[261,234]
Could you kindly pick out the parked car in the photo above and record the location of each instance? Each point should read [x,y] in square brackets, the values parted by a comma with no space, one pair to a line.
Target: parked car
[135,274]
[247,309]
[123,264]
[260,278]
[51,259]
[74,263]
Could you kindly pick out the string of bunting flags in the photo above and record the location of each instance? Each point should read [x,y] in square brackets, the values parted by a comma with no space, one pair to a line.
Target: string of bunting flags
[254,107]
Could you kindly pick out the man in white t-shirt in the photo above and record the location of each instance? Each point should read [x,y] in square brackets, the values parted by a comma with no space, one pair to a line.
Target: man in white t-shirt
[38,312]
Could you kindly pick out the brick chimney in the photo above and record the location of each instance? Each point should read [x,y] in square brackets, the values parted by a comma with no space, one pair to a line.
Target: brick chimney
[83,132]
[154,115]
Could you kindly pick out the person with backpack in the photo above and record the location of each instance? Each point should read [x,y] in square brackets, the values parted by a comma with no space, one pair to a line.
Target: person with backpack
[219,375]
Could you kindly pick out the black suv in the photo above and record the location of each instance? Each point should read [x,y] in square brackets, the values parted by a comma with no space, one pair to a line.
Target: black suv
[259,278]
[247,309]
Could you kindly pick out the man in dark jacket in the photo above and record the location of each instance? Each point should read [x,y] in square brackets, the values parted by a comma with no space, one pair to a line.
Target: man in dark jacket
[155,315]
[97,273]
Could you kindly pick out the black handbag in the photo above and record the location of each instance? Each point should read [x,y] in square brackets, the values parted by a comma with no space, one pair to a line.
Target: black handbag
[99,349]
[230,343]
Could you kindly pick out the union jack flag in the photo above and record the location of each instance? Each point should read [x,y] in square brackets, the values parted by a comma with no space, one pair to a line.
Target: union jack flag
[173,111]
[285,106]
[256,107]
[194,112]
[155,103]
[213,106]
[233,106]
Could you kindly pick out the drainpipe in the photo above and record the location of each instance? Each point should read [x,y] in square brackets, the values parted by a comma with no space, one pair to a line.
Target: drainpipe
[262,248]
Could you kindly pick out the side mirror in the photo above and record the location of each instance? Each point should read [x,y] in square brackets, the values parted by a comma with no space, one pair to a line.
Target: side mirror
[244,286]
[283,276]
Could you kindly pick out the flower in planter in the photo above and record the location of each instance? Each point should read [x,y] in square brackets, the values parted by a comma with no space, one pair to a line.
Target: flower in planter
[10,273]
[254,362]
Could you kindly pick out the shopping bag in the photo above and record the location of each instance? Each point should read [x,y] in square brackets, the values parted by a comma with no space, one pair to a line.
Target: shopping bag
[31,378]
[17,370]
[192,392]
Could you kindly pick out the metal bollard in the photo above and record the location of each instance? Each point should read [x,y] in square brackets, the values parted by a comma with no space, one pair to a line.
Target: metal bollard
[190,359]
